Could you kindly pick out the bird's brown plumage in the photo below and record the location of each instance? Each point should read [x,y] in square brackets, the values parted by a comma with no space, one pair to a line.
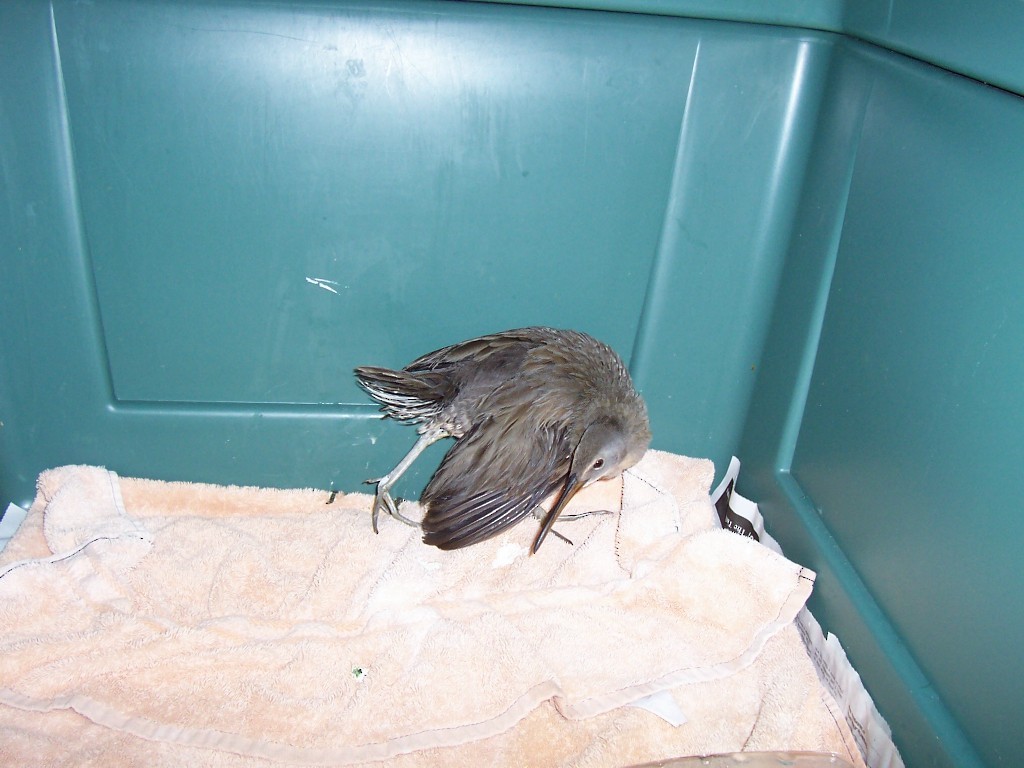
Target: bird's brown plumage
[518,404]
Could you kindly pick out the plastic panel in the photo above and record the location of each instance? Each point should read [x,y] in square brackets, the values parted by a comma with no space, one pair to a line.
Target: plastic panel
[229,155]
[924,730]
[812,14]
[913,416]
[979,39]
[982,40]
[450,169]
[884,426]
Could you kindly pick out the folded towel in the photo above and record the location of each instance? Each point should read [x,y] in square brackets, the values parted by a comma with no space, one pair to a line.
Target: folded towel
[270,625]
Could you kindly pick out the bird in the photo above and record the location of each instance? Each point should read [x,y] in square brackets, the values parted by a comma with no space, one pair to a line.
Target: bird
[533,411]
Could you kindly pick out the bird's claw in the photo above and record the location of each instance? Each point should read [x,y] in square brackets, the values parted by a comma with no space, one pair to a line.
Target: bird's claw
[566,539]
[383,500]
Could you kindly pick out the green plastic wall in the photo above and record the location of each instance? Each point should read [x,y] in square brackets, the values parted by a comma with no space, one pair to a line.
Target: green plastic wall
[803,232]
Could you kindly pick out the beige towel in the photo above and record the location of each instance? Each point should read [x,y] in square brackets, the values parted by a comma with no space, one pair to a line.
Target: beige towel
[269,625]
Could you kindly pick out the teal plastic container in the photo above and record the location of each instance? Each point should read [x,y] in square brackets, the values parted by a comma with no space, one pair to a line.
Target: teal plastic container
[800,223]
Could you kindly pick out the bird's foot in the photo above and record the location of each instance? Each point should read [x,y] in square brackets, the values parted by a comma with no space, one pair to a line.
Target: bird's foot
[540,513]
[383,500]
[581,515]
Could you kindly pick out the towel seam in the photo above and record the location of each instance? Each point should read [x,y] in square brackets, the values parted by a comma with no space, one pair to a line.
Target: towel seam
[605,703]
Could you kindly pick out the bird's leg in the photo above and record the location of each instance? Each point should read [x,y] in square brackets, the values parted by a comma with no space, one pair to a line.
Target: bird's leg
[540,513]
[383,499]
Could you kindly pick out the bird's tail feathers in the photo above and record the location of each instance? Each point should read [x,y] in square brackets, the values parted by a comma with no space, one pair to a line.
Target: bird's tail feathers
[409,397]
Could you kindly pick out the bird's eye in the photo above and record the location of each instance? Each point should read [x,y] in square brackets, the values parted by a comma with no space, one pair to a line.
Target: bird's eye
[599,463]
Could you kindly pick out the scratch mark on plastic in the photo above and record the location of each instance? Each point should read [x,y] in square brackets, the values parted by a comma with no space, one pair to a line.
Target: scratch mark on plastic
[327,285]
[241,31]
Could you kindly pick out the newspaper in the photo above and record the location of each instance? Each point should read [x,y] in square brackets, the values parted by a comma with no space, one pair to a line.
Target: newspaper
[872,734]
[738,514]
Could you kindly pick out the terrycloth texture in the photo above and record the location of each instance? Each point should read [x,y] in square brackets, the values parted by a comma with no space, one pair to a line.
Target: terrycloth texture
[236,626]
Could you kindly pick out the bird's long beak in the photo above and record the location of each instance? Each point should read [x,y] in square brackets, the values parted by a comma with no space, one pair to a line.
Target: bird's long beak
[572,485]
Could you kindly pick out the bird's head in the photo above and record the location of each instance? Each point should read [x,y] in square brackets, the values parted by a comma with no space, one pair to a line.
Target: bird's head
[608,446]
[605,450]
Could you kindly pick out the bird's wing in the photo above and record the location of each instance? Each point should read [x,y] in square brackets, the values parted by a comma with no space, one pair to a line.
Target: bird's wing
[492,478]
[496,349]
